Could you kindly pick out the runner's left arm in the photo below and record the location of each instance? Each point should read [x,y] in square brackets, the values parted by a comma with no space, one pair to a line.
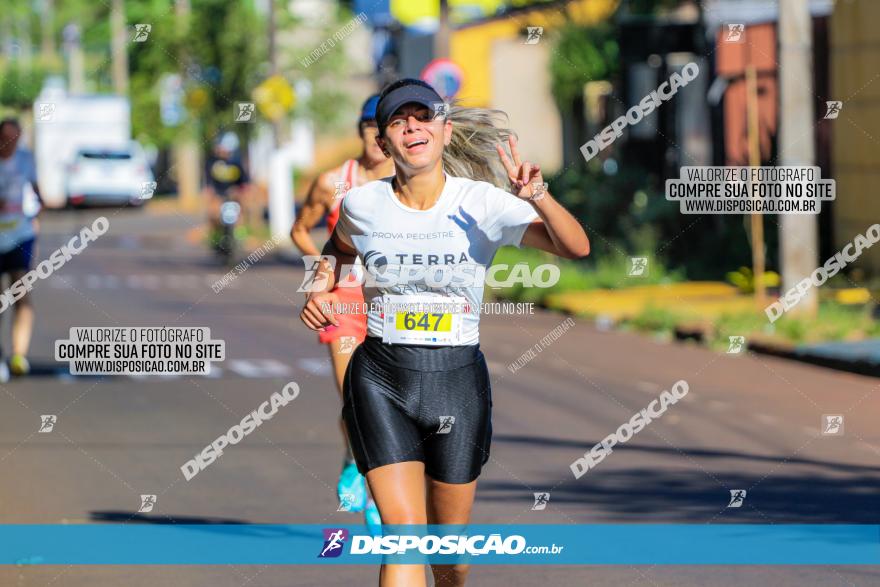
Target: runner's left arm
[556,231]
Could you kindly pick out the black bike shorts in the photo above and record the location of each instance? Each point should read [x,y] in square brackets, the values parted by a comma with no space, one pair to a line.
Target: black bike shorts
[419,403]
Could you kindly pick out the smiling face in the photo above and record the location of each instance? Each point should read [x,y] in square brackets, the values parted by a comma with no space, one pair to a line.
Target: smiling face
[414,138]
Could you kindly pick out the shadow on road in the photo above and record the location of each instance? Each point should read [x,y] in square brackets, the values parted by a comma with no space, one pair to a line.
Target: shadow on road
[698,489]
[118,516]
[50,370]
[215,525]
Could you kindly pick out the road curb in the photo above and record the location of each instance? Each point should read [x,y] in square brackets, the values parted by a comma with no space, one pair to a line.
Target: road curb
[858,366]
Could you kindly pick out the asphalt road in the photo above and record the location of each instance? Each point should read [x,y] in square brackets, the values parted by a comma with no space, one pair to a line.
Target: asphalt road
[748,422]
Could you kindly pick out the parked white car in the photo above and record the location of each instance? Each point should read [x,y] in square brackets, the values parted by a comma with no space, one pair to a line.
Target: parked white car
[110,176]
[67,125]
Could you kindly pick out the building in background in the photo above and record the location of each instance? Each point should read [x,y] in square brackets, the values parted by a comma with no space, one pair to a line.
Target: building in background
[501,70]
[679,131]
[757,46]
[855,134]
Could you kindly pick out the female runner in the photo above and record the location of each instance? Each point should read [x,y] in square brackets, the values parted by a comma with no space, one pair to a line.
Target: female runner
[325,197]
[417,399]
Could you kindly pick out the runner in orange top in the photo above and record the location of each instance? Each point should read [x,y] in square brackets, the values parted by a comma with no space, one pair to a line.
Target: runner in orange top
[325,197]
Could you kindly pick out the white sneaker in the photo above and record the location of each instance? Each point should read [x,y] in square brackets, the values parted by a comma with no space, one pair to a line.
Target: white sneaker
[4,372]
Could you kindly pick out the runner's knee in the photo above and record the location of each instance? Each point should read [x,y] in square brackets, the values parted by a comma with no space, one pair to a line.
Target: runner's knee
[450,575]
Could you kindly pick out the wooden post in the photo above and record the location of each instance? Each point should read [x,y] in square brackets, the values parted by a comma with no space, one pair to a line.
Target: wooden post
[757,220]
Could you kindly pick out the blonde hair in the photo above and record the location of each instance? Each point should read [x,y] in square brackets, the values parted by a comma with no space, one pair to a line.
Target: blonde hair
[472,153]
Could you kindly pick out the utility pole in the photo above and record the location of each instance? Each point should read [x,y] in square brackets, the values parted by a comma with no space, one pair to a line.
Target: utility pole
[76,76]
[186,150]
[118,52]
[273,67]
[441,38]
[798,235]
[47,40]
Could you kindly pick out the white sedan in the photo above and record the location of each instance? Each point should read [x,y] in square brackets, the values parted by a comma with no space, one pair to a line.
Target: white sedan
[107,176]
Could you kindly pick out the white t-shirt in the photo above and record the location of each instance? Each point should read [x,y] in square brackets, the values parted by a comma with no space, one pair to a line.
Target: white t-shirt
[465,227]
[15,225]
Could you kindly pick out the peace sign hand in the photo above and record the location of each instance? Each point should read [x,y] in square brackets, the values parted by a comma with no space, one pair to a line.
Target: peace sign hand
[526,181]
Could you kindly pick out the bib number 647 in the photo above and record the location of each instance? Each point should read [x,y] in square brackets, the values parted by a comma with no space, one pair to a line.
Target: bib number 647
[422,321]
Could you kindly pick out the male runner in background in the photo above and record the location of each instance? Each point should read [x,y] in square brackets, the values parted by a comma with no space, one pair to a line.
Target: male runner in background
[17,238]
[225,176]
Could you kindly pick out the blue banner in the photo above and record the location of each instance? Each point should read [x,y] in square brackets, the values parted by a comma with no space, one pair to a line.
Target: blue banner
[574,544]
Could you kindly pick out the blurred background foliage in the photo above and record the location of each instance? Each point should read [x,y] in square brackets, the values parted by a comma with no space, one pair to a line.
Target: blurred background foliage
[220,50]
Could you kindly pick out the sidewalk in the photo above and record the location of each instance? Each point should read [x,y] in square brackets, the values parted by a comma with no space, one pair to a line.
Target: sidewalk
[862,357]
[693,311]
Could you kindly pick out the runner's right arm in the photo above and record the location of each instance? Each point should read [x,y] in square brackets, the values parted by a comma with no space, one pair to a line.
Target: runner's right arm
[318,310]
[316,206]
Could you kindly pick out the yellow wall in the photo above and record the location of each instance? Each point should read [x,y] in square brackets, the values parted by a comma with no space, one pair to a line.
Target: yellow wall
[409,12]
[470,47]
[855,60]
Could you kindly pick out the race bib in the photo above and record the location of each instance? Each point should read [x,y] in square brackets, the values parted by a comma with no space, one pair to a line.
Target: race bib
[422,319]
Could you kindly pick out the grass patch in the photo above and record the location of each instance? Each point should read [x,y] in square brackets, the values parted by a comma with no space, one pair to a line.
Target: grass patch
[609,272]
[834,322]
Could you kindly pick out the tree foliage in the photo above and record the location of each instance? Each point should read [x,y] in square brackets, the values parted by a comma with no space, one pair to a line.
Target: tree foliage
[20,86]
[220,50]
[582,54]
